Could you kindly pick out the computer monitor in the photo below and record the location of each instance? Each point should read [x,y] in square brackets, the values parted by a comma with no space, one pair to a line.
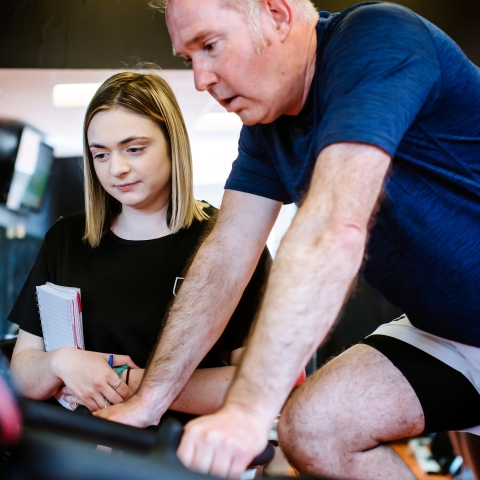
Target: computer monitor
[25,164]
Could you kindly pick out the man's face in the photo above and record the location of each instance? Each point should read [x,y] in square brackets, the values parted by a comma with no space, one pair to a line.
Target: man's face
[218,42]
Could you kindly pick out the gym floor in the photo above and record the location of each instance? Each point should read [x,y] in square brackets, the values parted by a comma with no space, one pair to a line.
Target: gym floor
[403,450]
[280,467]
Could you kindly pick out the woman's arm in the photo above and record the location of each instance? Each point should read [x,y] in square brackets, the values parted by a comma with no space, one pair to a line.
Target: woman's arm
[236,356]
[205,391]
[32,367]
[88,375]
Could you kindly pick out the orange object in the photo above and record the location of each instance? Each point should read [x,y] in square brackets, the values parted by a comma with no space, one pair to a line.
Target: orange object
[301,379]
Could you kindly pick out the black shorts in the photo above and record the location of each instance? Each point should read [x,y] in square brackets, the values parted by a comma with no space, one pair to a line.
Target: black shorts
[448,399]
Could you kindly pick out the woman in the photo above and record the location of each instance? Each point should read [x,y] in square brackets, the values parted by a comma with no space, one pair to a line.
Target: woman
[127,253]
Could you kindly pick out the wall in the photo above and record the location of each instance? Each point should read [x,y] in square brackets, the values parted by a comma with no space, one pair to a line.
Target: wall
[82,34]
[119,33]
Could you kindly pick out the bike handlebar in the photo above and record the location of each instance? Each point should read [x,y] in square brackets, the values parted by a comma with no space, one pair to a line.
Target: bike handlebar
[83,425]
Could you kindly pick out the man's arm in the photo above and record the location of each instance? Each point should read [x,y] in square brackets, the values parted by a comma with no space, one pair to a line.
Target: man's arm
[309,281]
[205,390]
[212,289]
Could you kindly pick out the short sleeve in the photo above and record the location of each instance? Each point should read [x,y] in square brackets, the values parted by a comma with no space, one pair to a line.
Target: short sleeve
[253,171]
[379,71]
[238,327]
[25,312]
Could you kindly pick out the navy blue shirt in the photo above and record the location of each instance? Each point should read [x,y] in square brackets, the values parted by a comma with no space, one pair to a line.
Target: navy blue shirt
[385,76]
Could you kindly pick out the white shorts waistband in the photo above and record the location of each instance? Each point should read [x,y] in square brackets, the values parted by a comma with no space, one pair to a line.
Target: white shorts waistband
[461,357]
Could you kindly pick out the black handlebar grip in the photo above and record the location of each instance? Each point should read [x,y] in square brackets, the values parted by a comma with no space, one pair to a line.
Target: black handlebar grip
[83,424]
[265,457]
[83,410]
[170,433]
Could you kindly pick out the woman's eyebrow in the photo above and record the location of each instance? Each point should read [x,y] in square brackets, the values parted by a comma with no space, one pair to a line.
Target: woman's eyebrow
[122,142]
[131,139]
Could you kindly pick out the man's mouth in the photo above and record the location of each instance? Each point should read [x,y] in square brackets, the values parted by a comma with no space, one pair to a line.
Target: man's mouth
[226,102]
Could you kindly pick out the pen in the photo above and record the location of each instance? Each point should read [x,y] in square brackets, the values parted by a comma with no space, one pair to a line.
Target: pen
[110,360]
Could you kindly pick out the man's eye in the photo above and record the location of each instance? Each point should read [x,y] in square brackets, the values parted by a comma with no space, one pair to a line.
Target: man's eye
[209,47]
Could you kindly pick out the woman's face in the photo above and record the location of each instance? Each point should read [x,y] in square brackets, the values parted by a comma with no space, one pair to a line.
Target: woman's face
[131,158]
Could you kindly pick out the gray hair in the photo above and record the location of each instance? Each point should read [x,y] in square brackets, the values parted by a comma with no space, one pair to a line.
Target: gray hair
[250,9]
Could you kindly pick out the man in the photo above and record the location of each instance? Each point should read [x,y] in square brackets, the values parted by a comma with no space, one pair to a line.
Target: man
[370,121]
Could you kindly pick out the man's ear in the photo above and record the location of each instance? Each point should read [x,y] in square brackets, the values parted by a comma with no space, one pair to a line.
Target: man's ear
[281,14]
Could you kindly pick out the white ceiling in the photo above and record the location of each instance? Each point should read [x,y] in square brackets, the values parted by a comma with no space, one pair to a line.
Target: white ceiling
[26,95]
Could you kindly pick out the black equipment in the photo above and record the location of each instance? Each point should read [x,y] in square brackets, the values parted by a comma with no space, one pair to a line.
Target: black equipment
[45,442]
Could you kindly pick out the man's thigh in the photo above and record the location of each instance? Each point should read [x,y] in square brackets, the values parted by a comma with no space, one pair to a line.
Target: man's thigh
[381,390]
[352,404]
[449,401]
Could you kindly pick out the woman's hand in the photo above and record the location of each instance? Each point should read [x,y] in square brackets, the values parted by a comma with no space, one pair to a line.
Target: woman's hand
[89,378]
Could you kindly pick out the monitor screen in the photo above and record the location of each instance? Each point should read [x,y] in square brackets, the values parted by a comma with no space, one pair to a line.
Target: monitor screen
[31,171]
[10,133]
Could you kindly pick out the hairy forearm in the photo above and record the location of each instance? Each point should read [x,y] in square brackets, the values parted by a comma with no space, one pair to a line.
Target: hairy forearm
[33,373]
[193,327]
[306,290]
[212,289]
[316,263]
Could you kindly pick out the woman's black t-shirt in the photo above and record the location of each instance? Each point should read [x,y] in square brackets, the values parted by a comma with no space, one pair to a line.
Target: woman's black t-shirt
[127,288]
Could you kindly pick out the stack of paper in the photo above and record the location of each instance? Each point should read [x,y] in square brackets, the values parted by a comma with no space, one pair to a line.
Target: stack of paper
[61,316]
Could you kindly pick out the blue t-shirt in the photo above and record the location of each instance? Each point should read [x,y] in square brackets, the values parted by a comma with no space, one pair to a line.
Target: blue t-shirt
[387,77]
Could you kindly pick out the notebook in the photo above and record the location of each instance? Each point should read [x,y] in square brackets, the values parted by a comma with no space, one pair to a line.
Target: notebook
[60,311]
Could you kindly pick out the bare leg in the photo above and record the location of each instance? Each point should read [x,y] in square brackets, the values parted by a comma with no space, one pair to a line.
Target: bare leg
[337,423]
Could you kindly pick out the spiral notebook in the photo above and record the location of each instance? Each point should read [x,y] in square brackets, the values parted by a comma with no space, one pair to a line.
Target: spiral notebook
[60,311]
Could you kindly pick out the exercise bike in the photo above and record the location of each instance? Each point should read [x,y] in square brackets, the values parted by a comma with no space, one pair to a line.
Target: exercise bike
[39,441]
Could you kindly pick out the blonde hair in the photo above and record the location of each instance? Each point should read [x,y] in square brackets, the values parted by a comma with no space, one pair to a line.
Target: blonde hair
[151,96]
[250,9]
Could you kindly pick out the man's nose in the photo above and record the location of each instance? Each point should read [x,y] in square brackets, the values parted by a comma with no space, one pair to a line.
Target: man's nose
[118,165]
[203,75]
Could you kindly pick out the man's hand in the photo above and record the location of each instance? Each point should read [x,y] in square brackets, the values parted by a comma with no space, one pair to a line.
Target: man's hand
[223,444]
[133,412]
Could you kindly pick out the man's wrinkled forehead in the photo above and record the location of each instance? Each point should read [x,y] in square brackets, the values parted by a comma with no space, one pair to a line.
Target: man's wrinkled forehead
[188,6]
[182,19]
